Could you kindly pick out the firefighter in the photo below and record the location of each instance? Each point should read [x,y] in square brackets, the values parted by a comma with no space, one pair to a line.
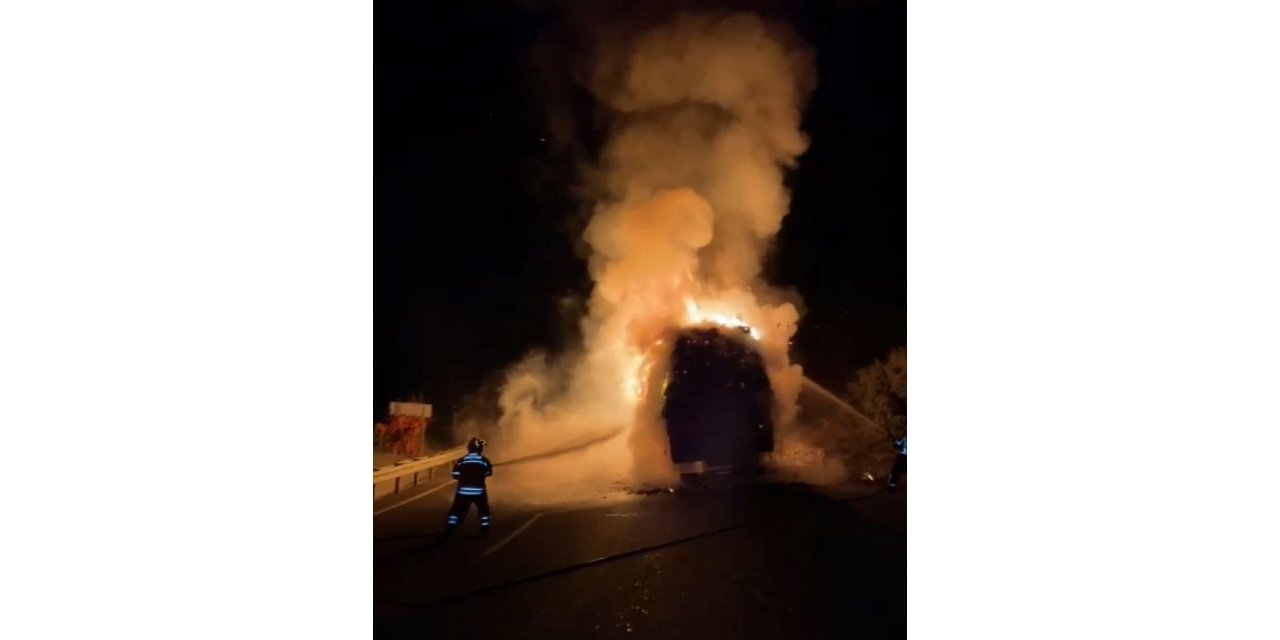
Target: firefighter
[899,463]
[470,471]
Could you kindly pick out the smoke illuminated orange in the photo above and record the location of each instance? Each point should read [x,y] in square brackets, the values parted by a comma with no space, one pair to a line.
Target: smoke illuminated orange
[705,117]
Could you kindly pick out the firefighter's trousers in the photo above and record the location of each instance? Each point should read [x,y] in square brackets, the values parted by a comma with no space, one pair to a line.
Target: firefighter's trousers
[462,502]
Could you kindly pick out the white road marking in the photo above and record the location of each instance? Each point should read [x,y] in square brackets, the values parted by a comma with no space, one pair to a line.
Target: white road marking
[404,502]
[513,534]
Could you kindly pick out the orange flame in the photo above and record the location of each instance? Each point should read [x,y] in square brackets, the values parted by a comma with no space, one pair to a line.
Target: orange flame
[695,315]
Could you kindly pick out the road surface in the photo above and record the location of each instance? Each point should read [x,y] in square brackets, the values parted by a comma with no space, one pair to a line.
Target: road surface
[760,561]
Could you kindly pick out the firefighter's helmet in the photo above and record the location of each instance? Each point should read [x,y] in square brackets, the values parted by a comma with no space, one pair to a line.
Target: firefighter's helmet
[476,445]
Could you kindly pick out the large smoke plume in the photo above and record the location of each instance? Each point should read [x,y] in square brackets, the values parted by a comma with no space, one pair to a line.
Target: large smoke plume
[701,118]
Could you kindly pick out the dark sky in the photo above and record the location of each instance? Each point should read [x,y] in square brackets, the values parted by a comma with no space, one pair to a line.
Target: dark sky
[473,248]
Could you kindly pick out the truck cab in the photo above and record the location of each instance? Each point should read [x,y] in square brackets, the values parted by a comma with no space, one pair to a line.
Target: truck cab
[717,404]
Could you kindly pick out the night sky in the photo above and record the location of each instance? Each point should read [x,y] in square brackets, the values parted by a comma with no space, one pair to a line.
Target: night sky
[474,253]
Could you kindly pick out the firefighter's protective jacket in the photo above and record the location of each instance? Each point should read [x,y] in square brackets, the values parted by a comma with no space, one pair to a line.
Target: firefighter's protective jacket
[470,471]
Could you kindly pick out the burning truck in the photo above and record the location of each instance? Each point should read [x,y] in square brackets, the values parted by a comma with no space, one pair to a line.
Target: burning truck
[717,403]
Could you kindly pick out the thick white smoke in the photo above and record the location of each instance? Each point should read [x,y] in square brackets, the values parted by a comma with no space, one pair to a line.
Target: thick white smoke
[687,194]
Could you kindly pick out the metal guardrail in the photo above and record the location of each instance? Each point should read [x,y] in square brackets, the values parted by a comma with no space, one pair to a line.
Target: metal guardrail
[408,473]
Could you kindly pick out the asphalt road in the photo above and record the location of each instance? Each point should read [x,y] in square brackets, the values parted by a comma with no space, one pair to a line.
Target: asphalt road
[757,561]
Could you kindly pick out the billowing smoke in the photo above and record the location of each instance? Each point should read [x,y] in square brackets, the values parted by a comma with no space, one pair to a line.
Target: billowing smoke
[701,119]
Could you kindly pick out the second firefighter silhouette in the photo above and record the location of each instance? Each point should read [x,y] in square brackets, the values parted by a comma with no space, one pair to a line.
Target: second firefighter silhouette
[899,463]
[470,471]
